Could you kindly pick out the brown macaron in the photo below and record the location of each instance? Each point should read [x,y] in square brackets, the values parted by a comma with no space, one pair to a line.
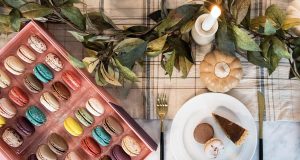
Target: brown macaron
[61,91]
[112,126]
[203,132]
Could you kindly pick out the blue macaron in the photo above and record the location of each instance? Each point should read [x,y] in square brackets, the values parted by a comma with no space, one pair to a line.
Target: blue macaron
[35,116]
[101,136]
[43,73]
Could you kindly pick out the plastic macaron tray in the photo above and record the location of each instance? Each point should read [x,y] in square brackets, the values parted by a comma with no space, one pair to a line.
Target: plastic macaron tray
[50,110]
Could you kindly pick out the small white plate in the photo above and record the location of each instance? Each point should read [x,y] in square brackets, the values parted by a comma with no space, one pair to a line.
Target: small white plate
[198,110]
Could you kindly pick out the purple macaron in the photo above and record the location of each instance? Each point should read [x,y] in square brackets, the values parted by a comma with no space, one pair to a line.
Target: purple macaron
[119,154]
[25,126]
[32,157]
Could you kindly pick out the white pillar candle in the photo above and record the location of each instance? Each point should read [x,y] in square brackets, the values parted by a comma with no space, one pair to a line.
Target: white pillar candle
[211,19]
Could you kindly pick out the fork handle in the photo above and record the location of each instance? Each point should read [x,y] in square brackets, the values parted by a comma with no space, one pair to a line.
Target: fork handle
[162,146]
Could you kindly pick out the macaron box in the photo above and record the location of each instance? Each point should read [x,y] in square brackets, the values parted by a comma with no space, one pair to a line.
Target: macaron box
[50,110]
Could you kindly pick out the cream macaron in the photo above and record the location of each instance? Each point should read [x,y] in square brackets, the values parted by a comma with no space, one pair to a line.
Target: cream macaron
[14,65]
[95,107]
[26,54]
[54,62]
[49,101]
[37,44]
[4,79]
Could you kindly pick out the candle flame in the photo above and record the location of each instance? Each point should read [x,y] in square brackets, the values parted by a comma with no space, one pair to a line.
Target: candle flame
[215,11]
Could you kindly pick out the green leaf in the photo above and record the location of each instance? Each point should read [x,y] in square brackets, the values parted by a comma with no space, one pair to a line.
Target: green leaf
[269,29]
[279,48]
[34,10]
[129,57]
[184,66]
[62,2]
[274,61]
[156,15]
[99,78]
[188,26]
[240,9]
[257,59]
[157,44]
[15,19]
[15,3]
[169,62]
[128,44]
[265,46]
[225,39]
[181,47]
[137,29]
[100,21]
[276,14]
[90,63]
[290,22]
[75,16]
[79,36]
[75,62]
[296,54]
[4,19]
[243,40]
[128,74]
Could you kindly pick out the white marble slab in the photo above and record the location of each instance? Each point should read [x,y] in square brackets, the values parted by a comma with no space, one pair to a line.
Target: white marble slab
[281,140]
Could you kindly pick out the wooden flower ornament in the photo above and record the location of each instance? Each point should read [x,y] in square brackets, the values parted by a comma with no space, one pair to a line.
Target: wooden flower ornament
[220,72]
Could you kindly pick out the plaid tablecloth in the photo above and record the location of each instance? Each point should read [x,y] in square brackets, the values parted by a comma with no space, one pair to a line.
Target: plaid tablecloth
[282,95]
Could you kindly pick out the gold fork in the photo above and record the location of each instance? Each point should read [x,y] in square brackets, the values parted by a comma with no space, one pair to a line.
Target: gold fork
[161,110]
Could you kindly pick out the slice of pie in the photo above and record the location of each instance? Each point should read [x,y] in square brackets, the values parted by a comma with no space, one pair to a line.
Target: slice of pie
[234,132]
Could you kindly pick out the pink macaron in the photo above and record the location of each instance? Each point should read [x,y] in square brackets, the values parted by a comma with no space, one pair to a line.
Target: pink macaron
[71,79]
[18,96]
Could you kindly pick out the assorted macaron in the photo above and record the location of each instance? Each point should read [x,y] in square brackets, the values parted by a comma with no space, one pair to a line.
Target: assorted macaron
[112,126]
[14,65]
[84,117]
[4,79]
[18,96]
[25,126]
[49,101]
[12,138]
[95,107]
[2,121]
[90,146]
[26,54]
[43,73]
[45,153]
[71,79]
[37,44]
[73,127]
[33,84]
[7,110]
[101,136]
[57,144]
[73,156]
[35,116]
[119,154]
[54,62]
[60,91]
[131,146]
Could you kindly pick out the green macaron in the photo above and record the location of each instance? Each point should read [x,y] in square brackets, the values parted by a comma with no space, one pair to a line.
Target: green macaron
[84,117]
[35,116]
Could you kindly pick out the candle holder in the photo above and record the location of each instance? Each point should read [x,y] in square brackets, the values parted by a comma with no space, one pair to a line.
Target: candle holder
[200,36]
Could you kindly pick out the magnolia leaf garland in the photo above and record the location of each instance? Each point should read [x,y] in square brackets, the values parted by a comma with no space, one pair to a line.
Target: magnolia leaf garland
[111,52]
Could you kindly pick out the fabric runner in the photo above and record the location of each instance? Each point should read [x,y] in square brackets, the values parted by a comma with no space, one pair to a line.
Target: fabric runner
[282,95]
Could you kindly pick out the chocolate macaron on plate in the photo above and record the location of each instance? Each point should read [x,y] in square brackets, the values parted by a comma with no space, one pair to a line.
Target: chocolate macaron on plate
[51,110]
[203,136]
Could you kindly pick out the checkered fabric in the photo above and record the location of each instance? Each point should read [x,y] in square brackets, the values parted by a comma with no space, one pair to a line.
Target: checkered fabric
[282,95]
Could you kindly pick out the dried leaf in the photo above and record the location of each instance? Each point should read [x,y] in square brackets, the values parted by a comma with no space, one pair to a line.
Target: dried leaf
[153,53]
[34,10]
[290,22]
[279,48]
[75,62]
[74,15]
[258,21]
[157,44]
[109,78]
[126,72]
[257,59]
[225,39]
[127,44]
[15,19]
[15,3]
[156,15]
[90,63]
[78,36]
[239,9]
[90,52]
[181,47]
[184,65]
[100,21]
[243,40]
[169,62]
[99,78]
[188,26]
[276,14]
[274,61]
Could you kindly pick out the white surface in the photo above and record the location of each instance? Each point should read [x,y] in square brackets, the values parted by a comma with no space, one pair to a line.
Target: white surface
[281,140]
[199,110]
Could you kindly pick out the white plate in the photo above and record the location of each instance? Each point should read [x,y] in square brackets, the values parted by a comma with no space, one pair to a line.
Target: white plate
[199,109]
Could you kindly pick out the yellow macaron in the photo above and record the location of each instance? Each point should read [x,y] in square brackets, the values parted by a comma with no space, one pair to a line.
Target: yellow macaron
[2,121]
[73,127]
